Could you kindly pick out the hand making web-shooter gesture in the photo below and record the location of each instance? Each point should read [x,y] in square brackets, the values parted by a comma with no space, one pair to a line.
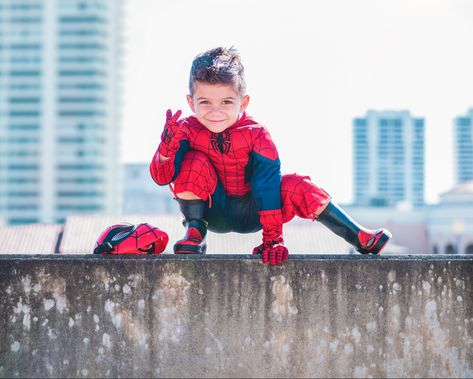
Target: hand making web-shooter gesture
[174,132]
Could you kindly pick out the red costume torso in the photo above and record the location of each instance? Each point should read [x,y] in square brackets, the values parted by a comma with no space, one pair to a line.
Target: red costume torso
[230,150]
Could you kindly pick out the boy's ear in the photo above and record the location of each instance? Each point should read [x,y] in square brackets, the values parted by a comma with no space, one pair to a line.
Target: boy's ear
[190,101]
[244,103]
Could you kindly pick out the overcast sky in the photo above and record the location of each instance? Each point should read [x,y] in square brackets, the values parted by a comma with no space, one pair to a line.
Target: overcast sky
[311,67]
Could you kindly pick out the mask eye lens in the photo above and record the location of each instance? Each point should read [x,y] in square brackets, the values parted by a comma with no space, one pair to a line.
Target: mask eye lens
[121,235]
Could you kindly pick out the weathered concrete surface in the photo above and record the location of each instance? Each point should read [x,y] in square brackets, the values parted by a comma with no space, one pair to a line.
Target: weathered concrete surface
[230,316]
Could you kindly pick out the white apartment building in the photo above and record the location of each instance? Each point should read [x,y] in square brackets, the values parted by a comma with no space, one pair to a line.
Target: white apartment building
[59,109]
[388,148]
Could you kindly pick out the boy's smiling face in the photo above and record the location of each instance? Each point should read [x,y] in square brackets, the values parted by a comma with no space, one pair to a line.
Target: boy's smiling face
[217,106]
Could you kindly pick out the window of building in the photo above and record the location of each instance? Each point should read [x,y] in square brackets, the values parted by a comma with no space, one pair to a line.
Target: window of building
[25,6]
[23,207]
[463,121]
[29,113]
[23,167]
[419,123]
[25,46]
[23,126]
[82,19]
[27,73]
[80,194]
[82,100]
[361,122]
[81,113]
[23,180]
[89,180]
[24,100]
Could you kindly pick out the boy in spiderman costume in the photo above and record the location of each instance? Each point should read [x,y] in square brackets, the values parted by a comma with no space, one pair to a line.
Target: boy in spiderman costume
[224,170]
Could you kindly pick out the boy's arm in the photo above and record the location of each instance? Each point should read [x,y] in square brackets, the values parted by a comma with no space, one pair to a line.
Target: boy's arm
[174,144]
[266,189]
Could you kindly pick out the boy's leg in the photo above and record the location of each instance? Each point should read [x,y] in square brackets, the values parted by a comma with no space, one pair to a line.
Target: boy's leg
[217,214]
[303,198]
[194,185]
[197,178]
[300,197]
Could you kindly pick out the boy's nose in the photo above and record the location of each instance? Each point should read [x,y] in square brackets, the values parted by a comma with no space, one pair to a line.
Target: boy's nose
[216,108]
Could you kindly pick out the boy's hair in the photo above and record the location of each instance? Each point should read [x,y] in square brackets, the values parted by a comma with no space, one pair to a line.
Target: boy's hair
[218,66]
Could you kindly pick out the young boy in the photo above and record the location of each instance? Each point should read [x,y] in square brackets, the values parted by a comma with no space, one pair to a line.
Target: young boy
[226,174]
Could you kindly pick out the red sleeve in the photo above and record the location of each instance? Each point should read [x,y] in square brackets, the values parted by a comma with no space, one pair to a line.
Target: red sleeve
[161,172]
[264,145]
[165,172]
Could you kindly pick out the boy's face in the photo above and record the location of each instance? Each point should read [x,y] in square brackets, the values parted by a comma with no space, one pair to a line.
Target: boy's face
[217,106]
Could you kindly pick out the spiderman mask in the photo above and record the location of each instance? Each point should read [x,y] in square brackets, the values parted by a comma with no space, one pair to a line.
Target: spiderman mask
[131,239]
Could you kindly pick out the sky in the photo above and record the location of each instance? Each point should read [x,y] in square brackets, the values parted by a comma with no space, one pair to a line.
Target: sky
[311,67]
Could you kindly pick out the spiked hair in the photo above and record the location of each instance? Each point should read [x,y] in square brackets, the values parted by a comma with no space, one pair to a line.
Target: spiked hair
[218,66]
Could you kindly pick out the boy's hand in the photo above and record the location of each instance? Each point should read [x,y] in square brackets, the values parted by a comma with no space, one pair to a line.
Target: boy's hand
[272,249]
[173,134]
[272,252]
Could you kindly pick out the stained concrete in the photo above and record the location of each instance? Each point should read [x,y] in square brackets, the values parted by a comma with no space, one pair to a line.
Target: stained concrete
[230,316]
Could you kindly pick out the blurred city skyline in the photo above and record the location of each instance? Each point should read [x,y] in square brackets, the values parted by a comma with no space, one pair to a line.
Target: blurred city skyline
[311,78]
[311,68]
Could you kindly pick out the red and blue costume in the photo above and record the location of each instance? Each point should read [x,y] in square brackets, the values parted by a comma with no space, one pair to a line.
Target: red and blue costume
[236,173]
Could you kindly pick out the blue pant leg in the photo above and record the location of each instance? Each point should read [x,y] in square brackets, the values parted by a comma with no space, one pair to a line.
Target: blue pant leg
[231,213]
[244,214]
[217,215]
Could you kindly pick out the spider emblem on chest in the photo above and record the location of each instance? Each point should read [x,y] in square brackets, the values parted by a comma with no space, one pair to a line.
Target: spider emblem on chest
[221,142]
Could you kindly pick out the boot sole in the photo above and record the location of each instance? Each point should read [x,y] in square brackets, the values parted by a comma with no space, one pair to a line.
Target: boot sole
[189,249]
[379,245]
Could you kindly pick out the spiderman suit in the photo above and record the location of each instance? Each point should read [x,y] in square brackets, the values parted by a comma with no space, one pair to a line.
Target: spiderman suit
[237,173]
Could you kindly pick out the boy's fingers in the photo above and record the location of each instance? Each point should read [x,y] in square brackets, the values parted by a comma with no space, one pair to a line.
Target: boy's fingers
[176,116]
[279,256]
[168,114]
[264,256]
[272,256]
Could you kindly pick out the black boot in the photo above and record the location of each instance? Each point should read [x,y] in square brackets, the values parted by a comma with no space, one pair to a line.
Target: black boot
[366,241]
[194,240]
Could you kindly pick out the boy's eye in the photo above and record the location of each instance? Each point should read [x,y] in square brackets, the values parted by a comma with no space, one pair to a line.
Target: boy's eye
[204,102]
[227,102]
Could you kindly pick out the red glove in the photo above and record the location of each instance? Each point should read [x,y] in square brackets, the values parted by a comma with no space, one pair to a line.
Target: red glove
[174,132]
[272,249]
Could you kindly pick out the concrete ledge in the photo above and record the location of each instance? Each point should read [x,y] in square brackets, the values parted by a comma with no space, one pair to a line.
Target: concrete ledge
[230,316]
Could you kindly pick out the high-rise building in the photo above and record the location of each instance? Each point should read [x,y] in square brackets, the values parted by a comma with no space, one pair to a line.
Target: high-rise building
[388,159]
[463,140]
[59,109]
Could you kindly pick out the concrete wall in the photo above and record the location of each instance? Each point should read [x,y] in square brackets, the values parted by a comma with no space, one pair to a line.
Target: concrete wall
[223,316]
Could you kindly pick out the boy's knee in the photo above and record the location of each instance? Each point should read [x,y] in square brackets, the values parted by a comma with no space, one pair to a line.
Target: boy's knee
[300,196]
[197,176]
[294,183]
